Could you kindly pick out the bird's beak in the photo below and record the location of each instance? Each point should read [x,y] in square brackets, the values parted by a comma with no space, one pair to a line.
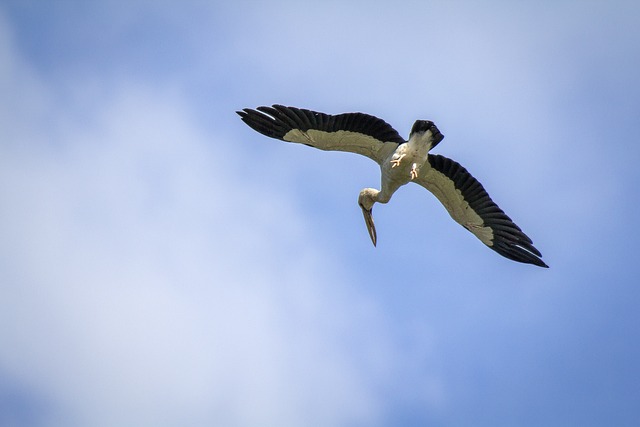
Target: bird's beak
[368,219]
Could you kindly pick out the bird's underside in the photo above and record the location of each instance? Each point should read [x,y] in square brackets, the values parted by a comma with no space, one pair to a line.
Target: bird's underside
[400,162]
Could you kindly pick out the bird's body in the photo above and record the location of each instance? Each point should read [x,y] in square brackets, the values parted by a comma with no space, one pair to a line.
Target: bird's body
[400,162]
[407,160]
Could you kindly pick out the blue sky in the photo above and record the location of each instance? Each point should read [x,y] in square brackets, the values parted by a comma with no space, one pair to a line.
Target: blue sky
[162,264]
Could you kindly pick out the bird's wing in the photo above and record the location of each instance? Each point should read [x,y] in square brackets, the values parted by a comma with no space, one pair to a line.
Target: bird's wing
[469,204]
[352,132]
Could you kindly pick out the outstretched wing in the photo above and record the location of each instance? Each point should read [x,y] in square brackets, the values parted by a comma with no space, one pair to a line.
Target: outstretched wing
[352,132]
[469,204]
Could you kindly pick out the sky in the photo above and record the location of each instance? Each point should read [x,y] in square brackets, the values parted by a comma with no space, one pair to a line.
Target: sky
[162,264]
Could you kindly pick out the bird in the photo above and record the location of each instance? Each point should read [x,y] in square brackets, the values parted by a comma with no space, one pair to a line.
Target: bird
[401,162]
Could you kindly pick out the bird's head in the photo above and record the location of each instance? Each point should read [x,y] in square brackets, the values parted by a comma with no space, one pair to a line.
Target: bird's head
[424,126]
[367,198]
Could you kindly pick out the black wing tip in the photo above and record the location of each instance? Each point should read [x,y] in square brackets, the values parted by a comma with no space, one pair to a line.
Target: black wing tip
[515,252]
[511,242]
[263,120]
[537,261]
[243,113]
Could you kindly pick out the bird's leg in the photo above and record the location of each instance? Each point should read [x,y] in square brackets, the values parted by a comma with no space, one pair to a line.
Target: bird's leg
[396,162]
[414,171]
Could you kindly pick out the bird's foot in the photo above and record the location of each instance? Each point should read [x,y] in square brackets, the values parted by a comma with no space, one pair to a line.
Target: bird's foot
[414,171]
[396,162]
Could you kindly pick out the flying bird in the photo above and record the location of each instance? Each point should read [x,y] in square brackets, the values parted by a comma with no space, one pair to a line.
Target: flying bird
[400,162]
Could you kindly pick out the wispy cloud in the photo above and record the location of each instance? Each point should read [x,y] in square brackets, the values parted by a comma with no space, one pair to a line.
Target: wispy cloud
[148,272]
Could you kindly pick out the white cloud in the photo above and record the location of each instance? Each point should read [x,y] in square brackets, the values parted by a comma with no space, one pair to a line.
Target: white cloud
[143,282]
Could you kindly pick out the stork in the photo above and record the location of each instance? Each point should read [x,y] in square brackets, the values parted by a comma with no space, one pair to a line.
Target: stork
[400,162]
